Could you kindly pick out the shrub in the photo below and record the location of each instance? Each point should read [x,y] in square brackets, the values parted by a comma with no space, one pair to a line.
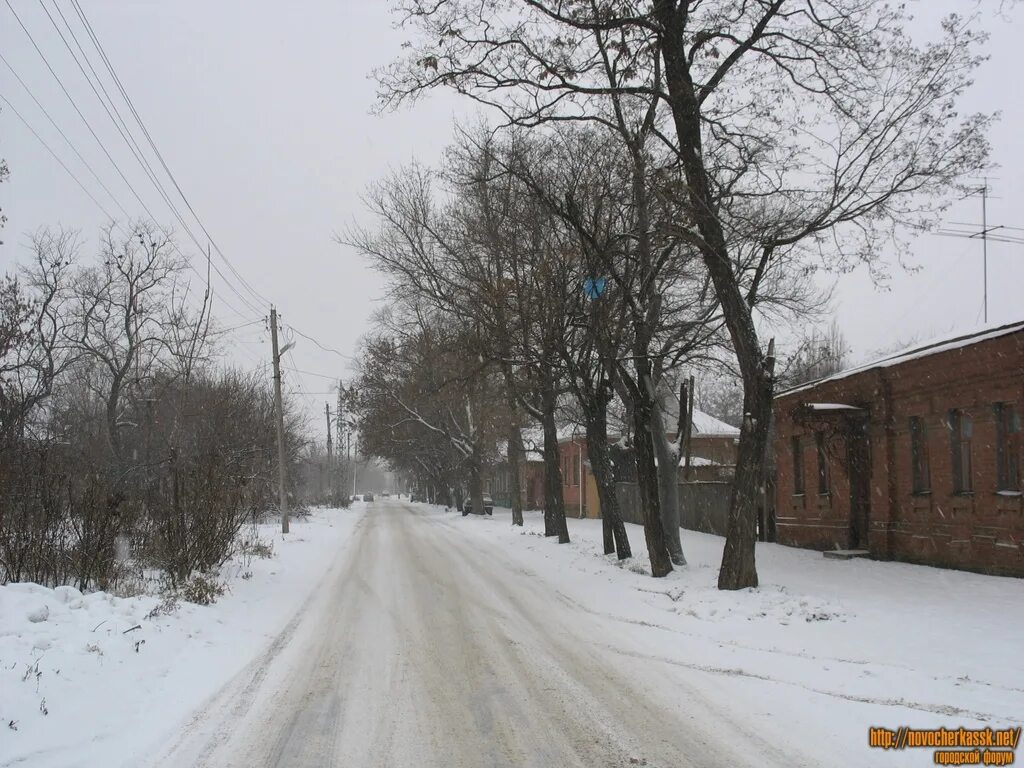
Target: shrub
[201,589]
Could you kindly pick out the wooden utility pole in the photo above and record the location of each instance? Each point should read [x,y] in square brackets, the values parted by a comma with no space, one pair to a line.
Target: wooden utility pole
[282,497]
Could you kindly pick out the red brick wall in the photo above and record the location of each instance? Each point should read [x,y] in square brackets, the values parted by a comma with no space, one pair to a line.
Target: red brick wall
[572,454]
[981,531]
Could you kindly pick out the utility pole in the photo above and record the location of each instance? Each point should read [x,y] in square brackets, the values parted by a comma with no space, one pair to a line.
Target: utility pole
[330,454]
[282,497]
[355,465]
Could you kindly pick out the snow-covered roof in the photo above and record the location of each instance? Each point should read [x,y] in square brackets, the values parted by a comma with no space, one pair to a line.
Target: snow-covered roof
[699,461]
[706,425]
[832,407]
[916,352]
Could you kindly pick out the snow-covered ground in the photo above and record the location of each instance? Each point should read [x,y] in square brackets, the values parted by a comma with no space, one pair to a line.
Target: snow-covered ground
[97,680]
[413,635]
[827,646]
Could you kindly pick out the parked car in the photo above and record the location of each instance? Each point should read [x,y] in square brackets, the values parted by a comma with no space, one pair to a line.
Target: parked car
[467,506]
[367,497]
[386,495]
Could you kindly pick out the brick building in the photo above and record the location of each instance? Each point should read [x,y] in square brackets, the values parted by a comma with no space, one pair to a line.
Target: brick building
[913,457]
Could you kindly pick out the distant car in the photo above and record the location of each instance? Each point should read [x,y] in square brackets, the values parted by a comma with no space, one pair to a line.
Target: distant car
[367,497]
[467,506]
[386,495]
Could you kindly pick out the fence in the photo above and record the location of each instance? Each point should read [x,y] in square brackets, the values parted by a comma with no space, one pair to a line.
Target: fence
[703,506]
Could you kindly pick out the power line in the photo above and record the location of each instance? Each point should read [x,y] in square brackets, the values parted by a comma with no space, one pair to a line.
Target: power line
[260,363]
[323,347]
[298,382]
[79,111]
[63,135]
[55,157]
[106,152]
[117,80]
[114,114]
[79,182]
[243,325]
[122,127]
[321,375]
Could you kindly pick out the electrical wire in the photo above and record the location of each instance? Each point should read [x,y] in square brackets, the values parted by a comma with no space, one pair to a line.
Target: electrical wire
[63,135]
[55,156]
[74,104]
[117,80]
[103,147]
[323,347]
[122,127]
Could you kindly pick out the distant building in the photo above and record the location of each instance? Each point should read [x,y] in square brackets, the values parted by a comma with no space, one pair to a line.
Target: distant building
[498,481]
[913,457]
[712,458]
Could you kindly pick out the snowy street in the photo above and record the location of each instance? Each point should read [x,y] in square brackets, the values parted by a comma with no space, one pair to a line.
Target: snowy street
[451,641]
[536,383]
[397,634]
[426,650]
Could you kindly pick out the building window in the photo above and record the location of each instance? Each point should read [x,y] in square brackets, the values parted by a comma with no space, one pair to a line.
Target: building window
[921,471]
[1007,447]
[960,429]
[824,481]
[576,469]
[798,467]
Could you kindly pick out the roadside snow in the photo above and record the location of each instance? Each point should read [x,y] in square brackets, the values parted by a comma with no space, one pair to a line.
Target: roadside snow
[827,646]
[97,680]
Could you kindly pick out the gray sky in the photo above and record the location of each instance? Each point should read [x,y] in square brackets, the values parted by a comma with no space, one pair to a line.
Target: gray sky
[263,115]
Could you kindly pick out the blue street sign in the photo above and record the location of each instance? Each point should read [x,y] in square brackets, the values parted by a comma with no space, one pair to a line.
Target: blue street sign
[593,287]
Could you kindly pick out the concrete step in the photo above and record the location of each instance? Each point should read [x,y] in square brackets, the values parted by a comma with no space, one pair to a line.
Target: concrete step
[845,554]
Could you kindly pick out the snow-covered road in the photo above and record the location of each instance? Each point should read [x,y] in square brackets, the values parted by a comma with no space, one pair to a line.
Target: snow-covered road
[428,647]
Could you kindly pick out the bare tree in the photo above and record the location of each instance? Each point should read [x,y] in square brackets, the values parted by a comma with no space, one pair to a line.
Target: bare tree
[483,256]
[129,317]
[5,173]
[849,138]
[423,387]
[819,354]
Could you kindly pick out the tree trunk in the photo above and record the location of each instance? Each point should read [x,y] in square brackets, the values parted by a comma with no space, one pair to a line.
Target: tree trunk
[647,474]
[615,538]
[476,485]
[738,564]
[113,432]
[554,503]
[515,466]
[738,567]
[668,483]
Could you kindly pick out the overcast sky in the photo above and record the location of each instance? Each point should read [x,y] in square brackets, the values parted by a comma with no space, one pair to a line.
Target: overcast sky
[262,111]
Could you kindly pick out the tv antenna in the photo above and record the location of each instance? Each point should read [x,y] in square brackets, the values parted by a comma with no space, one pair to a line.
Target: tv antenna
[997,233]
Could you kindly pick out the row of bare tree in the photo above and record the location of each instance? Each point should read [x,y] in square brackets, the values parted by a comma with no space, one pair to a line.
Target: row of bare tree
[124,446]
[664,181]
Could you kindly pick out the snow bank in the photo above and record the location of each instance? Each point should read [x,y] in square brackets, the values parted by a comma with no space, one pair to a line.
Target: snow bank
[829,646]
[98,680]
